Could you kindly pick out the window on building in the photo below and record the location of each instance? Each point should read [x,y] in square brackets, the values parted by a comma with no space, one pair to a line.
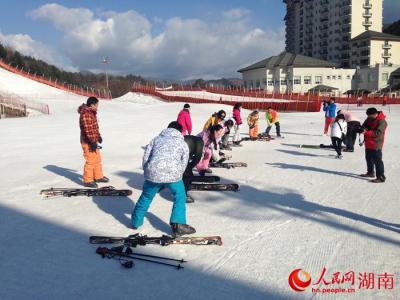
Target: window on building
[296,79]
[270,82]
[328,77]
[307,79]
[258,83]
[334,77]
[370,77]
[283,81]
[318,79]
[385,77]
[348,77]
[250,83]
[339,77]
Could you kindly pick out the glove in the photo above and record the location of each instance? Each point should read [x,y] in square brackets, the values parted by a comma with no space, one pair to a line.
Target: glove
[100,139]
[92,147]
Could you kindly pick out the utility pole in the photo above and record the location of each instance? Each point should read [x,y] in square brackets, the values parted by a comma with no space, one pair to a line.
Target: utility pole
[105,61]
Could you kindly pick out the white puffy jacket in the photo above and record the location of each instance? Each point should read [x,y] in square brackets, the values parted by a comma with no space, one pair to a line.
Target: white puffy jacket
[166,157]
[338,127]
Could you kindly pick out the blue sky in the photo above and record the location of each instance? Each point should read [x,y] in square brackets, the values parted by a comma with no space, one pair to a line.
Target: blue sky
[176,39]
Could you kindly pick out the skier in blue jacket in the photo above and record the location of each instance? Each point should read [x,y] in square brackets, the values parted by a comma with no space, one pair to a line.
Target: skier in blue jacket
[164,162]
[330,113]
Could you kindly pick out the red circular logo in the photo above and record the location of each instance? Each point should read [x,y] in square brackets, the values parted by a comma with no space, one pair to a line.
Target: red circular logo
[296,283]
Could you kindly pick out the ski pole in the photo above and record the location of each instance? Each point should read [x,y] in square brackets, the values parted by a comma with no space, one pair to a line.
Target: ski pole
[128,250]
[105,252]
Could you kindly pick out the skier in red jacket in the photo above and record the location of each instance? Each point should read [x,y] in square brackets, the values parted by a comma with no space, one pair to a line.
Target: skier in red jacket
[374,136]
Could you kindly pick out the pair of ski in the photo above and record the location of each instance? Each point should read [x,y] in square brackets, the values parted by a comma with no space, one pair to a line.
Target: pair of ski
[137,239]
[320,146]
[68,192]
[203,183]
[207,183]
[228,165]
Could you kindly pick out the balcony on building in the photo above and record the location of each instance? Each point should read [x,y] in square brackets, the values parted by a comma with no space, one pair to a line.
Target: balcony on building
[367,23]
[367,5]
[386,46]
[386,55]
[367,14]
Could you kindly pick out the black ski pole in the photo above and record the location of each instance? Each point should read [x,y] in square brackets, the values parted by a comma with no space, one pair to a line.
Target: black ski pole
[105,252]
[128,250]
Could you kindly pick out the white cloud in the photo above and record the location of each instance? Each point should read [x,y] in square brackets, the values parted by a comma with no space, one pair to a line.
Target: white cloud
[185,48]
[236,13]
[62,17]
[24,44]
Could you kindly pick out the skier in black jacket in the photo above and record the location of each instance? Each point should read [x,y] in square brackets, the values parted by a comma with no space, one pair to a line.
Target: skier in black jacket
[195,145]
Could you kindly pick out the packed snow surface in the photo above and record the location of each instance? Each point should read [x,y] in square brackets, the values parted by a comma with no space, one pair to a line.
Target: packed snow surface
[296,208]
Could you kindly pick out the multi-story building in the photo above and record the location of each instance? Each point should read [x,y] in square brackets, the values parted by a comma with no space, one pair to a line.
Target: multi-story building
[324,28]
[372,47]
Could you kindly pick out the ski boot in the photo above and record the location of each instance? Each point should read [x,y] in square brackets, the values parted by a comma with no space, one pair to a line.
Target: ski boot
[339,156]
[208,170]
[189,199]
[380,179]
[102,180]
[368,175]
[181,229]
[91,184]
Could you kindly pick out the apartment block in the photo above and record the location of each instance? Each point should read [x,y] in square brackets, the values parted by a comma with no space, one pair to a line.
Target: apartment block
[324,28]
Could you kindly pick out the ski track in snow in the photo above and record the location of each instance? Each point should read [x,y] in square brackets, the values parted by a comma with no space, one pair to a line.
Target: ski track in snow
[297,208]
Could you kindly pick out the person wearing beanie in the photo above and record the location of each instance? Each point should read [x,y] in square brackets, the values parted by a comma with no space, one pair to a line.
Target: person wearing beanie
[330,113]
[90,138]
[215,119]
[353,125]
[338,133]
[185,120]
[374,128]
[164,162]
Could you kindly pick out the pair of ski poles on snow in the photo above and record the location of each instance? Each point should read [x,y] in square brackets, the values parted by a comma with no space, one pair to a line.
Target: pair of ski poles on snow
[125,256]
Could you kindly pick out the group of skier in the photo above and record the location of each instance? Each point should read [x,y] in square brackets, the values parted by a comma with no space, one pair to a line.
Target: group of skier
[169,158]
[345,126]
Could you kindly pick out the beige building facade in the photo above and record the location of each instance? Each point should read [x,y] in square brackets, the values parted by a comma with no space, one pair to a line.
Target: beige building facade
[294,73]
[372,47]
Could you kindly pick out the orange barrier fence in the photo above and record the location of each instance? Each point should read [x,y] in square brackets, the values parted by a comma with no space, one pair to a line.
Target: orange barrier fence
[305,106]
[259,93]
[62,86]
